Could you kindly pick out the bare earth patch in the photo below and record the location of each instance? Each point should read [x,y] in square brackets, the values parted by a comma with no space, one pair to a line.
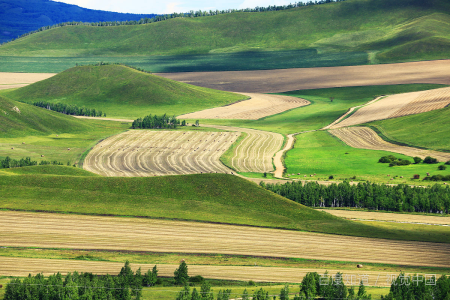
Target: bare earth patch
[366,138]
[22,229]
[259,106]
[22,79]
[157,153]
[393,217]
[275,81]
[399,105]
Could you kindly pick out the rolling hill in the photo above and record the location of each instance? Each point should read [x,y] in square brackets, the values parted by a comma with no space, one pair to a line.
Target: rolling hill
[384,31]
[121,91]
[21,16]
[20,119]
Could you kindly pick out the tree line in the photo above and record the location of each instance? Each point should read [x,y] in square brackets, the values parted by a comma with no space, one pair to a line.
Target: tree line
[126,286]
[419,287]
[402,197]
[191,14]
[159,122]
[70,109]
[8,162]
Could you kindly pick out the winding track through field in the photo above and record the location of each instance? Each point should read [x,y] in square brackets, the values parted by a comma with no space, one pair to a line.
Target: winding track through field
[366,138]
[160,152]
[22,229]
[257,107]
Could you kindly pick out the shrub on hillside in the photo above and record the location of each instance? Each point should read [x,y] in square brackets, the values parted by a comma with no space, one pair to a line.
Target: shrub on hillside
[430,160]
[417,160]
[442,167]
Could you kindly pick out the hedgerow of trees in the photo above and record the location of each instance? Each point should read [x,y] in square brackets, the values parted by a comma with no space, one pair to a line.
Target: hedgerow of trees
[126,286]
[419,287]
[191,14]
[157,122]
[8,162]
[70,109]
[402,197]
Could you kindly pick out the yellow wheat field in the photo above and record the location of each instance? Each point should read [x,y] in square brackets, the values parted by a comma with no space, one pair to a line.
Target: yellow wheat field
[156,153]
[259,106]
[366,138]
[21,229]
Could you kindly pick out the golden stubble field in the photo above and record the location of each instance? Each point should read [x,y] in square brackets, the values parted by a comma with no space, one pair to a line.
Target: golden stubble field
[43,230]
[257,107]
[157,153]
[16,80]
[366,138]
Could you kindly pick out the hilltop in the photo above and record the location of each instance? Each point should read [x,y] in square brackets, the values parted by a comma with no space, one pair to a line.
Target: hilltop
[384,31]
[21,16]
[120,91]
[20,119]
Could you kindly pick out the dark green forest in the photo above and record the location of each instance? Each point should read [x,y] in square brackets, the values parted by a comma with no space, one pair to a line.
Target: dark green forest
[402,197]
[70,109]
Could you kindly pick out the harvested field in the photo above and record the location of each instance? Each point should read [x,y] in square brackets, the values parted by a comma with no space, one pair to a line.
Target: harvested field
[399,105]
[392,217]
[44,230]
[256,151]
[283,80]
[15,266]
[22,78]
[157,153]
[279,167]
[366,138]
[259,106]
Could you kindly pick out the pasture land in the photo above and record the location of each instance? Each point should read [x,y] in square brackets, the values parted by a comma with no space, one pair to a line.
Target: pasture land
[391,217]
[399,105]
[433,133]
[366,138]
[42,230]
[322,153]
[122,92]
[256,150]
[160,152]
[257,107]
[283,80]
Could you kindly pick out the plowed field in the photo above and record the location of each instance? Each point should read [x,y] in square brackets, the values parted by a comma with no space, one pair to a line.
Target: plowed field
[256,151]
[366,138]
[155,153]
[259,106]
[399,105]
[108,233]
[15,266]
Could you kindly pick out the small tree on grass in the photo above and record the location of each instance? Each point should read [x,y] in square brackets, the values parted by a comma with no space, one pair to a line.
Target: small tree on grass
[181,274]
[442,167]
[430,160]
[417,160]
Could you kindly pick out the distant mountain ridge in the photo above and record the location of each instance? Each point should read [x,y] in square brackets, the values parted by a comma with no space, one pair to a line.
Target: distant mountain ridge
[21,16]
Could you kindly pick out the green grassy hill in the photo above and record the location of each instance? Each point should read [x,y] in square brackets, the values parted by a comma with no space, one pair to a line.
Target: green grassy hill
[47,170]
[401,30]
[20,119]
[120,91]
[208,198]
[433,133]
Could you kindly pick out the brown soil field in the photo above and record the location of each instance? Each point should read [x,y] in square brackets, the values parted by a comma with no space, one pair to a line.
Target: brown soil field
[157,153]
[256,151]
[392,217]
[399,105]
[278,159]
[42,230]
[275,81]
[17,266]
[259,106]
[366,138]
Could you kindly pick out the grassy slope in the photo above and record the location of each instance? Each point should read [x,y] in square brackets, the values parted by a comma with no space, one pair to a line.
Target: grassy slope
[322,112]
[123,92]
[433,133]
[321,153]
[208,197]
[400,30]
[47,170]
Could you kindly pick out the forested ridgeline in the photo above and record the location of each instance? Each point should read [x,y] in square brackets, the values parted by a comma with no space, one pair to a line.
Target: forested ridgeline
[70,109]
[158,122]
[402,197]
[8,162]
[125,286]
[191,14]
